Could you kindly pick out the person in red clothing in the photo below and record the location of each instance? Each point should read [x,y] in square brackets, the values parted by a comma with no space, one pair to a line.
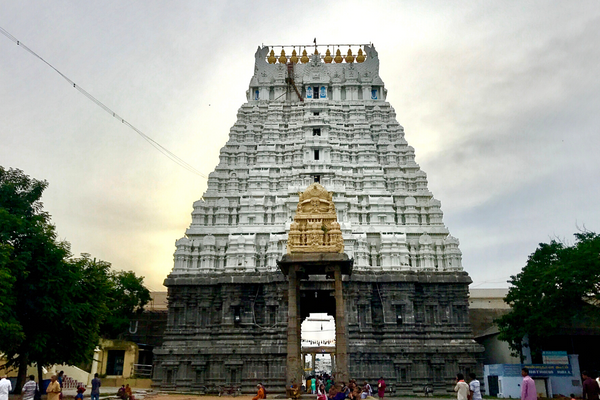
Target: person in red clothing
[80,390]
[381,387]
[590,387]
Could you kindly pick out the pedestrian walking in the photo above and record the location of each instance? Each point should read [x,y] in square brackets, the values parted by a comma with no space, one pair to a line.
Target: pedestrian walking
[528,391]
[590,387]
[474,387]
[461,388]
[96,383]
[53,390]
[29,388]
[5,388]
[381,387]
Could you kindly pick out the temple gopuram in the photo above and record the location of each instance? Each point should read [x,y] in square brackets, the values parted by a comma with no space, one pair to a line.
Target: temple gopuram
[316,206]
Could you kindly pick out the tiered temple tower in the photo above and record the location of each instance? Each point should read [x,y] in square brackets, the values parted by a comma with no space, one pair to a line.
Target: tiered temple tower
[321,118]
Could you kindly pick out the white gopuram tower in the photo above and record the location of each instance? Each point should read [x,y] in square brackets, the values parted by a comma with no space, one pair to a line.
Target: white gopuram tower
[321,118]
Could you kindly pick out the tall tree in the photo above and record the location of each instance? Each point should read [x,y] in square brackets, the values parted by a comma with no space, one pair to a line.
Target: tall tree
[559,286]
[52,305]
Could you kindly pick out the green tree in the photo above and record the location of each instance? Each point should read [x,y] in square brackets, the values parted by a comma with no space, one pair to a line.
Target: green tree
[559,286]
[128,296]
[52,305]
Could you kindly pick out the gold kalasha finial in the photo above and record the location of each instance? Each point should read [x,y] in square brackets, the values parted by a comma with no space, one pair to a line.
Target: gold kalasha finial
[283,58]
[349,57]
[328,59]
[360,57]
[294,57]
[272,59]
[304,58]
[338,56]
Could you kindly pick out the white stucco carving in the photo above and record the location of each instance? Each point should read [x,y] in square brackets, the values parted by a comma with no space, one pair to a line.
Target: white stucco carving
[345,136]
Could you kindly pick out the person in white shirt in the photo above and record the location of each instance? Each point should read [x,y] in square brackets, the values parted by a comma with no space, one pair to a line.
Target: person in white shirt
[5,388]
[29,388]
[461,388]
[475,387]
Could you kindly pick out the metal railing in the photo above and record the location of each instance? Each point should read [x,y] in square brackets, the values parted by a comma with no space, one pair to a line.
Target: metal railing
[142,370]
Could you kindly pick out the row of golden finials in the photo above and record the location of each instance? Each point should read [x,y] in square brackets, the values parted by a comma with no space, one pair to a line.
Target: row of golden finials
[283,59]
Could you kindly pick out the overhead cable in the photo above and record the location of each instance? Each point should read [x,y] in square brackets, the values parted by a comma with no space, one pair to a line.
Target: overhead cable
[147,138]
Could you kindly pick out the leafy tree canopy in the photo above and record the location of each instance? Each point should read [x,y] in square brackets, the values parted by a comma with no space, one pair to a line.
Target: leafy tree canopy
[52,305]
[558,287]
[128,296]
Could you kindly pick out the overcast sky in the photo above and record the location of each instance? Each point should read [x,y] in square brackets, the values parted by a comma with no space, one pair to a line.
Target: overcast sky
[501,101]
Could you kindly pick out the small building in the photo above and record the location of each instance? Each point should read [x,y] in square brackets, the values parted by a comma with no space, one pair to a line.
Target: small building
[116,358]
[551,380]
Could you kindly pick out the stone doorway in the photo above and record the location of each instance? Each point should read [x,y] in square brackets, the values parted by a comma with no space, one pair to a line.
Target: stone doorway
[318,344]
[312,279]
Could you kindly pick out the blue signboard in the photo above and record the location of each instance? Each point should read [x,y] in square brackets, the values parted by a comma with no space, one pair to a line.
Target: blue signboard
[323,92]
[309,92]
[549,370]
[535,370]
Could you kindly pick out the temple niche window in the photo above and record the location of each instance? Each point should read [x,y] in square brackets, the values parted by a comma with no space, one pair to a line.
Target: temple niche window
[399,314]
[374,93]
[272,314]
[316,154]
[200,375]
[403,375]
[237,314]
[316,131]
[169,376]
[309,92]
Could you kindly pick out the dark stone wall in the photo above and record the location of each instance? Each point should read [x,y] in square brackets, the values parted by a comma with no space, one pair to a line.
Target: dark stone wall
[411,328]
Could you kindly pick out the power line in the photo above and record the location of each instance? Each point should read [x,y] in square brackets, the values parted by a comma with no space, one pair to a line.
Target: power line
[147,138]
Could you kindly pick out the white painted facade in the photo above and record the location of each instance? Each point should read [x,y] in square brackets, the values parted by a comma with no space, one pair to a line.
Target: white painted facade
[348,139]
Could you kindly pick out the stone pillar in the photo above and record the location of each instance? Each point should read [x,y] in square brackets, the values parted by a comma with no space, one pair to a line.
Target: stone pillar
[314,365]
[293,349]
[333,362]
[341,343]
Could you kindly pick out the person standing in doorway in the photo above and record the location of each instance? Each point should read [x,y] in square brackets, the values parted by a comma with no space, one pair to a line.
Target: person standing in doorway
[528,391]
[96,383]
[590,387]
[5,387]
[381,387]
[474,387]
[461,388]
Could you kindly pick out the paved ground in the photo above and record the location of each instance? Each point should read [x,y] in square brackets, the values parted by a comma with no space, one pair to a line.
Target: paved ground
[106,393]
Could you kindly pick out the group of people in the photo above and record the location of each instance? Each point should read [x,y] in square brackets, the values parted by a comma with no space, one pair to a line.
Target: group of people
[467,391]
[31,390]
[324,387]
[125,393]
[472,391]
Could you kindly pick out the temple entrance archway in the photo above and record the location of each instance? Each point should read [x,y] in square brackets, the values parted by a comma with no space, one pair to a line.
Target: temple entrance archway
[320,301]
[318,344]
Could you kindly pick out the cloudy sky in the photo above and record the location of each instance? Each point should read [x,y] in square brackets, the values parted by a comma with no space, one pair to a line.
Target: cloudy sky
[501,101]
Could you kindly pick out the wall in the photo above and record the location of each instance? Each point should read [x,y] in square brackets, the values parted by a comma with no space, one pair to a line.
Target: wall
[564,385]
[510,386]
[496,351]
